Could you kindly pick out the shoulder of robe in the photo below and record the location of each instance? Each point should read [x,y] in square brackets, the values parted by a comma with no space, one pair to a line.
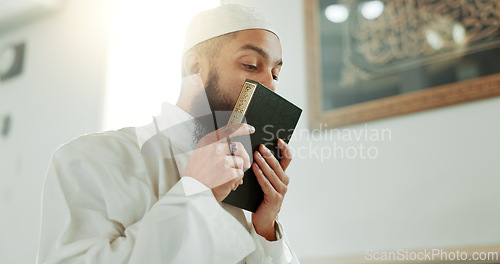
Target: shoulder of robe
[105,172]
[110,146]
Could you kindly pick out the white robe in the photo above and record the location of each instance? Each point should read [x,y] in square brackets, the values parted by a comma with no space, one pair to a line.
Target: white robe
[106,202]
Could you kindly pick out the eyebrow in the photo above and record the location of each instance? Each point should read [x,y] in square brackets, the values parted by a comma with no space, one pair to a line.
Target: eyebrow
[261,52]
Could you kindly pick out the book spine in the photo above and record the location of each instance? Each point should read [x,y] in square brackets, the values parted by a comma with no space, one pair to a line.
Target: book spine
[242,103]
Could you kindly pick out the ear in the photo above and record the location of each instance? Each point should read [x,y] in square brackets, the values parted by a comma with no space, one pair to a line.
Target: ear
[192,63]
[196,63]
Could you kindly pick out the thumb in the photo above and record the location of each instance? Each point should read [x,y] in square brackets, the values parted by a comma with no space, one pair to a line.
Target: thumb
[234,130]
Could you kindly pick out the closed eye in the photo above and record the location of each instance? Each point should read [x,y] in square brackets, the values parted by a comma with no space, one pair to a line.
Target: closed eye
[250,67]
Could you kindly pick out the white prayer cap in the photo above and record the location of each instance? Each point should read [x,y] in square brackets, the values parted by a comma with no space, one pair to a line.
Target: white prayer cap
[221,20]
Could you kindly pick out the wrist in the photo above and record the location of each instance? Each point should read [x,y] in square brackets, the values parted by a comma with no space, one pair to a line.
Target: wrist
[267,231]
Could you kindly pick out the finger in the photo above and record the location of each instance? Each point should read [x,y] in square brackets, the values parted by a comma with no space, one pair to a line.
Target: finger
[238,174]
[269,173]
[224,149]
[273,163]
[231,174]
[234,162]
[225,132]
[234,130]
[238,181]
[242,153]
[285,153]
[229,131]
[224,176]
[266,186]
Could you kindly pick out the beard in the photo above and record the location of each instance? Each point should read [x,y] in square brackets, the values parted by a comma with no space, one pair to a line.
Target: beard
[221,107]
[218,100]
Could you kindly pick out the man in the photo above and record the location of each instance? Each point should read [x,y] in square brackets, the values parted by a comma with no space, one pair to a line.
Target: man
[146,196]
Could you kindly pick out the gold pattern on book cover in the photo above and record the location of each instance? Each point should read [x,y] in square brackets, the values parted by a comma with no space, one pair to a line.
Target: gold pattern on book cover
[242,103]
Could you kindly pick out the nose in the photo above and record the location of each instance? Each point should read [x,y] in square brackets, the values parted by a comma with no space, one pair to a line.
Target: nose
[268,80]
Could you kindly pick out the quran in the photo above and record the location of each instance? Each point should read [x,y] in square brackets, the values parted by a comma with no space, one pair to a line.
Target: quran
[273,117]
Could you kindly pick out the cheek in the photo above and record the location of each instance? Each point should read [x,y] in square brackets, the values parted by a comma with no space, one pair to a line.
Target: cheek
[231,83]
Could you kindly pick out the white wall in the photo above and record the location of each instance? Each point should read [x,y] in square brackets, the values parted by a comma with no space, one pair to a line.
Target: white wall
[57,98]
[433,184]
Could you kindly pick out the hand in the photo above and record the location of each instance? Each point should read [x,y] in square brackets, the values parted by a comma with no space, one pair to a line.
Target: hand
[212,164]
[271,176]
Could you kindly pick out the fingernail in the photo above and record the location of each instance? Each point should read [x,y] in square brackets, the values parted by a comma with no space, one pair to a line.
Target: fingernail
[266,149]
[282,142]
[251,128]
[259,155]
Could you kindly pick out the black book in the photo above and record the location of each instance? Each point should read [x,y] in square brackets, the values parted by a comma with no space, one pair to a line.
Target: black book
[273,117]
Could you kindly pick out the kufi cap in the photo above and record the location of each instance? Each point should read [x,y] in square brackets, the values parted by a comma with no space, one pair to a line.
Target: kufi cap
[221,20]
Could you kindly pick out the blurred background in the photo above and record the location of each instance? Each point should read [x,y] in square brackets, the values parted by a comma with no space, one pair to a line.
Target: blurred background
[72,67]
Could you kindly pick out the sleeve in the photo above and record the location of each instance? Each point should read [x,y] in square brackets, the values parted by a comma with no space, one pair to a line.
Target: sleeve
[272,252]
[91,213]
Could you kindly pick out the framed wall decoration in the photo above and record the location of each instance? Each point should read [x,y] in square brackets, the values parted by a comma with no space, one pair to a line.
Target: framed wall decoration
[369,60]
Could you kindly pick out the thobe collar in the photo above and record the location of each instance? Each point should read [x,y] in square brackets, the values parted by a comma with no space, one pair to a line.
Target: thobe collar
[177,125]
[173,124]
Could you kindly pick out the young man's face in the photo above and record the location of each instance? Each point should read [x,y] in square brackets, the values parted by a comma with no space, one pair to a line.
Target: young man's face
[254,54]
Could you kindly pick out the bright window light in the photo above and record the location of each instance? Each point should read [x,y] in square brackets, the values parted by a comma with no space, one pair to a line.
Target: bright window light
[337,13]
[144,58]
[434,39]
[371,9]
[459,33]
